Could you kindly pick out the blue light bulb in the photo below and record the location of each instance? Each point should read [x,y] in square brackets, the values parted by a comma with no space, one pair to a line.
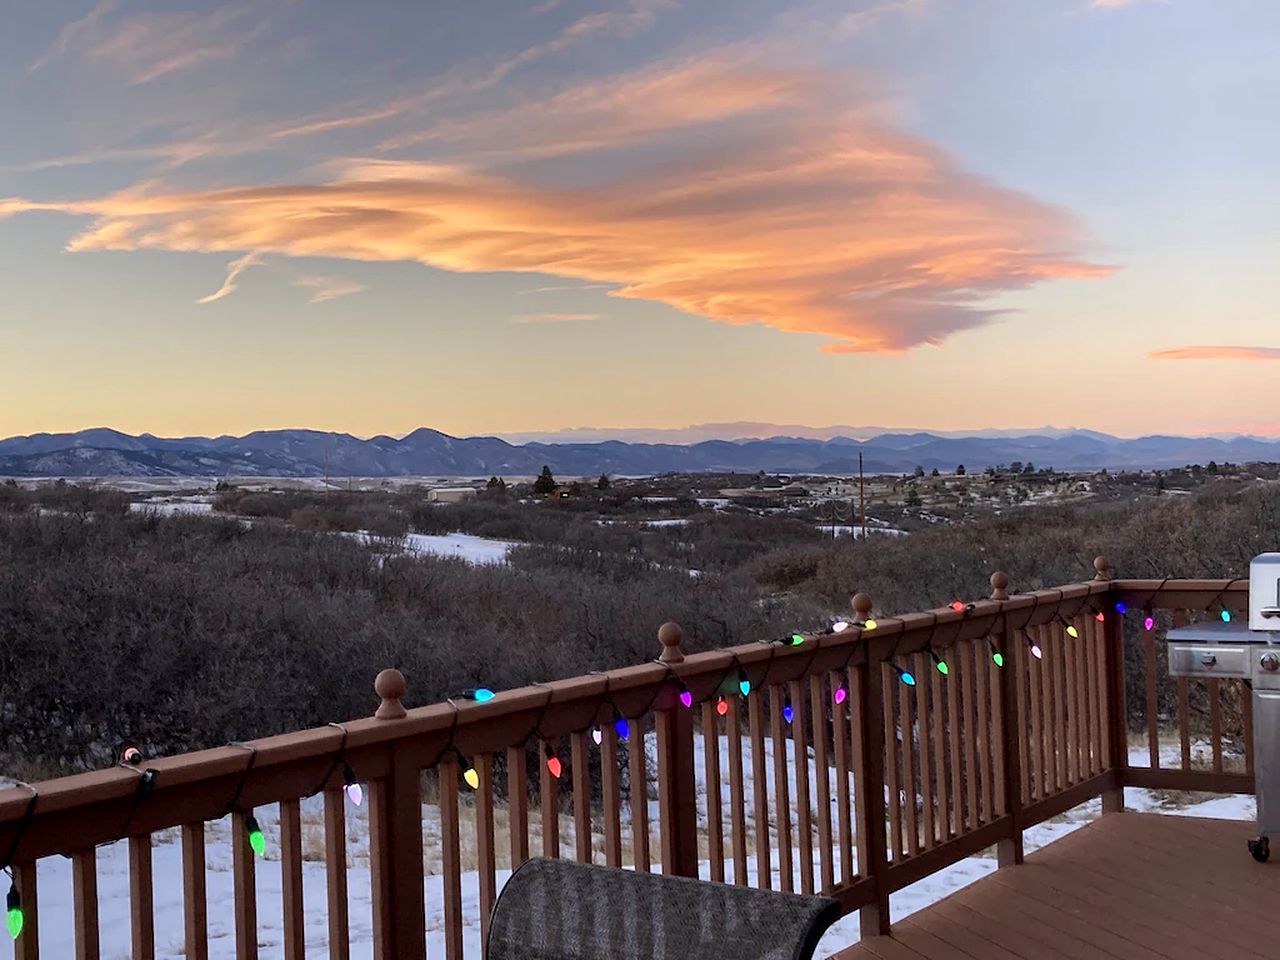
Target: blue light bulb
[623,727]
[787,712]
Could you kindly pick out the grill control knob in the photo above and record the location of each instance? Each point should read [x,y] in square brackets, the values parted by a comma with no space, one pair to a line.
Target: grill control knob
[1270,662]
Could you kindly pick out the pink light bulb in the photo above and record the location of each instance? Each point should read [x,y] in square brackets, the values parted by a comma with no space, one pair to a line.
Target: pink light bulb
[355,793]
[1148,622]
[839,694]
[686,697]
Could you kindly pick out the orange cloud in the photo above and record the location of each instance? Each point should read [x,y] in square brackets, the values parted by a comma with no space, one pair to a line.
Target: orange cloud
[760,196]
[1216,353]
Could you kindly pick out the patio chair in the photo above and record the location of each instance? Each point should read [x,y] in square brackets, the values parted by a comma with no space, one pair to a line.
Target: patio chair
[559,910]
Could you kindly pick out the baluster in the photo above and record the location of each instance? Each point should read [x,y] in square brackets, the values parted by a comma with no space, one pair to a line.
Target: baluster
[822,780]
[711,771]
[486,857]
[782,801]
[194,903]
[141,899]
[335,871]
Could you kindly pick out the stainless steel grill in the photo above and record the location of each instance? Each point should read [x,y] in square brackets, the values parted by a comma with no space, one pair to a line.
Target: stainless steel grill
[1251,652]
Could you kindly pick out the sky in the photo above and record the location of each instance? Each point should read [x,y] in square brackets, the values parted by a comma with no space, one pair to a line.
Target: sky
[492,217]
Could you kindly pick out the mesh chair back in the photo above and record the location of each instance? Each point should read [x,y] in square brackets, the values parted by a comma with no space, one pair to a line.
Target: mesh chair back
[558,910]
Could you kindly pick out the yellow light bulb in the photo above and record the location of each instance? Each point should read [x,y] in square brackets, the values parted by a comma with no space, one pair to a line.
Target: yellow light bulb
[472,778]
[869,625]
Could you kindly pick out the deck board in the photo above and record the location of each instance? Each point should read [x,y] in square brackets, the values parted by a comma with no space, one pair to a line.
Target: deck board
[1126,887]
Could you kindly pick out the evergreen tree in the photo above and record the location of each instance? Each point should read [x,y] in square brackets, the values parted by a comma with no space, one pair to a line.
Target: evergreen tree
[913,498]
[960,470]
[935,472]
[919,472]
[545,484]
[603,482]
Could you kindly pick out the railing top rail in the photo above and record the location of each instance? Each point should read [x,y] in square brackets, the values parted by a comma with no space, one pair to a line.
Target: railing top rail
[199,784]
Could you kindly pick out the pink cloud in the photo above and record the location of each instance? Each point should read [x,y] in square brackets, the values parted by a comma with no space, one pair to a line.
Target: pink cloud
[1216,353]
[763,195]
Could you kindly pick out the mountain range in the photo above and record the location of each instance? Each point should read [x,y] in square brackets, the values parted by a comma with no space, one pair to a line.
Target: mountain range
[103,452]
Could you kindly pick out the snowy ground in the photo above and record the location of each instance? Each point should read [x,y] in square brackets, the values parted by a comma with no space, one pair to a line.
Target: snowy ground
[169,508]
[464,546]
[847,530]
[55,902]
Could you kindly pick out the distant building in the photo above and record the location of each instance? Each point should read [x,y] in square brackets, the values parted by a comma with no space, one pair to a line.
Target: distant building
[451,494]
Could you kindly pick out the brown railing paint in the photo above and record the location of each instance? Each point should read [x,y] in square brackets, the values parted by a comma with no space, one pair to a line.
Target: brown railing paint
[969,760]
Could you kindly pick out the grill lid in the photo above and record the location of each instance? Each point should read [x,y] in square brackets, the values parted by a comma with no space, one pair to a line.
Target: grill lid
[1218,632]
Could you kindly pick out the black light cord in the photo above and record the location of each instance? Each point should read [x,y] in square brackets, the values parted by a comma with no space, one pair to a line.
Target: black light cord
[27,814]
[233,803]
[338,757]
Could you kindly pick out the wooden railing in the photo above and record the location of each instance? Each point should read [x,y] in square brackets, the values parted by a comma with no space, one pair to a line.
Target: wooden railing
[830,774]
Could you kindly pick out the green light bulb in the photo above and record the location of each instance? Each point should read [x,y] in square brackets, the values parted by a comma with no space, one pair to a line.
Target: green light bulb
[796,639]
[744,684]
[1225,615]
[13,919]
[998,658]
[257,842]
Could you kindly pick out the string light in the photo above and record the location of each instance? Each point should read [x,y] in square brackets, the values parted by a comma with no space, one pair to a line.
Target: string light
[996,656]
[840,626]
[788,714]
[939,664]
[257,842]
[744,684]
[1120,607]
[840,693]
[1148,621]
[795,639]
[597,735]
[1034,647]
[355,792]
[130,754]
[722,706]
[957,605]
[620,725]
[469,772]
[554,767]
[1100,616]
[686,695]
[13,914]
[479,694]
[906,676]
[1072,632]
[1225,615]
[868,624]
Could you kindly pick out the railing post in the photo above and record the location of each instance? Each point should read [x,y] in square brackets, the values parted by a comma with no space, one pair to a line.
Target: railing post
[395,842]
[1009,850]
[677,793]
[1117,717]
[873,919]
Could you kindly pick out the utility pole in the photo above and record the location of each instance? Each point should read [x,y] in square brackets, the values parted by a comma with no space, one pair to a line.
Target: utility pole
[862,496]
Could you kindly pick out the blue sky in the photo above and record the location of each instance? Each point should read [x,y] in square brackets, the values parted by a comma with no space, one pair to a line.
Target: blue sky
[218,217]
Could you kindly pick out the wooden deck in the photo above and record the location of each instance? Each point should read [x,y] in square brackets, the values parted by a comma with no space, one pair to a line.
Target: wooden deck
[1128,887]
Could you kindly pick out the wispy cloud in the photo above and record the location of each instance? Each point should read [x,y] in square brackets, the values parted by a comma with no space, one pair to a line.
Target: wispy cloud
[1114,4]
[234,269]
[150,44]
[1216,353]
[555,317]
[562,287]
[329,288]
